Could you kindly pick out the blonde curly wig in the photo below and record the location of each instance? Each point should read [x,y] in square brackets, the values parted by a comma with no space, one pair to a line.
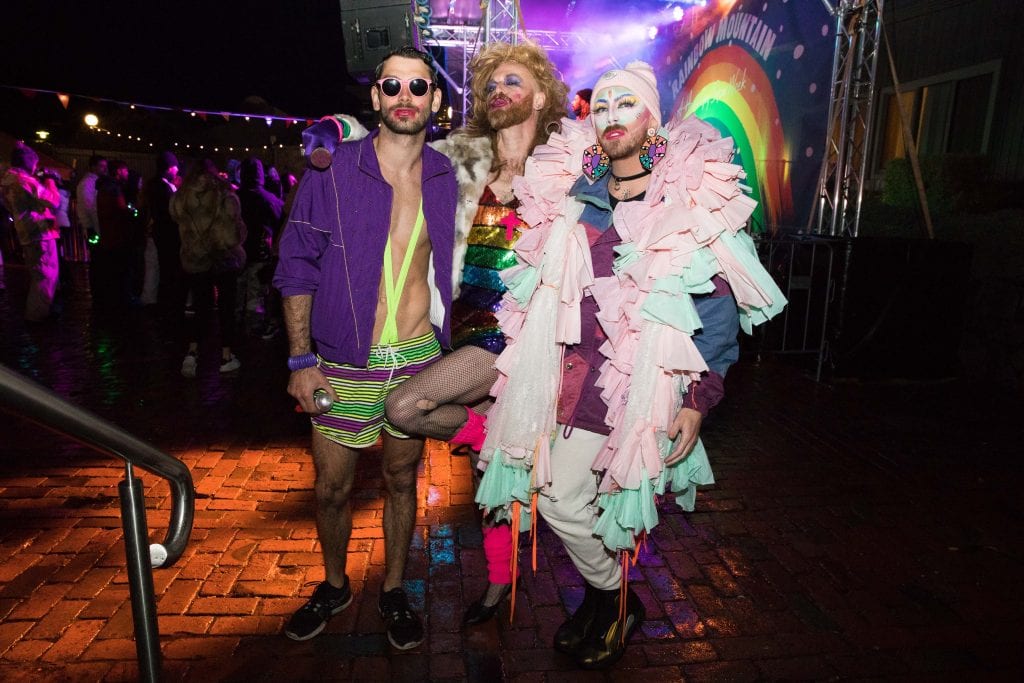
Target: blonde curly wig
[534,58]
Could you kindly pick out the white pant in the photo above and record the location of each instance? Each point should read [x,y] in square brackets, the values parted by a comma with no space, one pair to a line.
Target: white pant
[570,508]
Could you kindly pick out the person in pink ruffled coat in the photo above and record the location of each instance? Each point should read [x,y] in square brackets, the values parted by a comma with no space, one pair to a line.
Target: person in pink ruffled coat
[621,323]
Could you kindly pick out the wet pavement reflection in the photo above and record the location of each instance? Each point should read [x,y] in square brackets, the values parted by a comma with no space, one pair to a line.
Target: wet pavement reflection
[855,531]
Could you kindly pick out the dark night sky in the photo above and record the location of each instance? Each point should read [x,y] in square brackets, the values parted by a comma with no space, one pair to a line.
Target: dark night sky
[209,54]
[190,53]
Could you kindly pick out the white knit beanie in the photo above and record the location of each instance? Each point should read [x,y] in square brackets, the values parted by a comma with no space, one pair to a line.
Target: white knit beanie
[638,78]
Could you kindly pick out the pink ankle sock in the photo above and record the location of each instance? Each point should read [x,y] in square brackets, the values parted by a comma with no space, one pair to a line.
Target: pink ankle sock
[498,551]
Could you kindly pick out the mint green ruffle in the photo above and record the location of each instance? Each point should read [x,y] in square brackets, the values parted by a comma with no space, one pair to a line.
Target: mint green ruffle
[626,513]
[503,484]
[684,477]
[675,310]
[523,283]
[697,275]
[627,256]
[742,247]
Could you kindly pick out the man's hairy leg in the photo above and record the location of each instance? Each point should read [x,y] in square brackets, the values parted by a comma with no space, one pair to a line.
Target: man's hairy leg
[335,474]
[399,463]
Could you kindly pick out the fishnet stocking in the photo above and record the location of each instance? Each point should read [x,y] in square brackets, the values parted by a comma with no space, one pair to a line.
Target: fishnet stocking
[432,402]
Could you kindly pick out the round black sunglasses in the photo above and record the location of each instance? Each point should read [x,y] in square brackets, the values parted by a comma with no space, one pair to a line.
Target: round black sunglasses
[392,86]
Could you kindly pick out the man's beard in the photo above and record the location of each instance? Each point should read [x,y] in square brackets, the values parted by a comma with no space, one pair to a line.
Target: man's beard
[405,126]
[511,115]
[626,146]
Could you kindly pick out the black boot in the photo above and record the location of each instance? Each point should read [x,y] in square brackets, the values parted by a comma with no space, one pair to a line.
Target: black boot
[575,630]
[608,636]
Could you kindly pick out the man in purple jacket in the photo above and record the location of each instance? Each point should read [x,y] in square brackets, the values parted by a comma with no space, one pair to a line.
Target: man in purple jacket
[365,273]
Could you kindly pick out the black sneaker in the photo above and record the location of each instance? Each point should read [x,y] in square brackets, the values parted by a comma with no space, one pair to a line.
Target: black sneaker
[310,619]
[404,628]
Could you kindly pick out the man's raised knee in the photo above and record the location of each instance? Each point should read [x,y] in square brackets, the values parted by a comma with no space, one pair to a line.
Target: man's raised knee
[401,410]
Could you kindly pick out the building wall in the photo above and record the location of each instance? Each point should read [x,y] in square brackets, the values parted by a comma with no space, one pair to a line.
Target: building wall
[936,39]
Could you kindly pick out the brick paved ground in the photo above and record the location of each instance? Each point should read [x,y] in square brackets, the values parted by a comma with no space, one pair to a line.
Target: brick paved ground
[856,531]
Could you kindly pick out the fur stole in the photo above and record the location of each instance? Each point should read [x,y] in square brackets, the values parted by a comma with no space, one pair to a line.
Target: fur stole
[471,157]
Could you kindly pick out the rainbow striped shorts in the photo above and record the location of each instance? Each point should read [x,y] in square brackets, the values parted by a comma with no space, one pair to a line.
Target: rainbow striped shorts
[356,418]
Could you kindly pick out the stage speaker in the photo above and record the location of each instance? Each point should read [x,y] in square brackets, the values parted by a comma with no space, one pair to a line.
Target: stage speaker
[372,29]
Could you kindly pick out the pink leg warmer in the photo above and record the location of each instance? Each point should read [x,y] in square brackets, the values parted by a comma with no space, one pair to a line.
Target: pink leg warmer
[498,551]
[473,431]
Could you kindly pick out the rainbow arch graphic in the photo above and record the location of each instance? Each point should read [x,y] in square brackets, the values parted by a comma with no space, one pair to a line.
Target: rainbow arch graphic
[730,90]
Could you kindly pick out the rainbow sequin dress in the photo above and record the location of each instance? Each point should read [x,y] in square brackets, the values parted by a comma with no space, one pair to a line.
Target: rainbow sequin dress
[491,242]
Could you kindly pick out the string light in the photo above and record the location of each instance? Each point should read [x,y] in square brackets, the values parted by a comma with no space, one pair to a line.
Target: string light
[138,138]
[269,118]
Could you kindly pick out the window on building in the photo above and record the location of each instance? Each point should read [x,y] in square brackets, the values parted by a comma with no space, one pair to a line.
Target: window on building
[946,115]
[970,115]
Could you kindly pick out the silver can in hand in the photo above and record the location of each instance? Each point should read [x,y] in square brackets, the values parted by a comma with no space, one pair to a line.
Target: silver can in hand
[322,400]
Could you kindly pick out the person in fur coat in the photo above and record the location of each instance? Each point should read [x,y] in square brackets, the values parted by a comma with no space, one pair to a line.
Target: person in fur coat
[208,215]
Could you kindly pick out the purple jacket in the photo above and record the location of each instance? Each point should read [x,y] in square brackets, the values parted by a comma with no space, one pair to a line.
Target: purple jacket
[333,247]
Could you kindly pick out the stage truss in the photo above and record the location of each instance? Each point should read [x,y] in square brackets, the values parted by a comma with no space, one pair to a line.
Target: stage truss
[501,22]
[858,25]
[844,166]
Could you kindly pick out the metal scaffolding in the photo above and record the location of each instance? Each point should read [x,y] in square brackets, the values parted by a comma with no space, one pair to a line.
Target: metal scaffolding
[844,163]
[462,36]
[501,22]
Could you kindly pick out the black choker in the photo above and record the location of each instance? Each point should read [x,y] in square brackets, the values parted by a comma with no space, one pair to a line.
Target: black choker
[619,181]
[641,174]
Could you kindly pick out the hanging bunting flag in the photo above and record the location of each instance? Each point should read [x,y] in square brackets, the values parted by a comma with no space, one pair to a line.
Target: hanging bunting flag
[64,99]
[28,93]
[201,114]
[225,115]
[287,123]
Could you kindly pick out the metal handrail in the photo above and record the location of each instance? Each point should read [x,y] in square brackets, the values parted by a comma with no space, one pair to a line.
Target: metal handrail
[38,403]
[28,399]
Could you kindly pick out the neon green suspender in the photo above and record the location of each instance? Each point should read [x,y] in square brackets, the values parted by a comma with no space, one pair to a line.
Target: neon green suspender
[392,287]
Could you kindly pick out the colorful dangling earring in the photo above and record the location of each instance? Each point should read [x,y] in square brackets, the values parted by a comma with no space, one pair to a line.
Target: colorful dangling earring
[595,162]
[653,148]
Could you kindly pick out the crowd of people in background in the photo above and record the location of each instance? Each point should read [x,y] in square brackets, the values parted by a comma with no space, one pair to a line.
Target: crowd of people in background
[133,242]
[184,243]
